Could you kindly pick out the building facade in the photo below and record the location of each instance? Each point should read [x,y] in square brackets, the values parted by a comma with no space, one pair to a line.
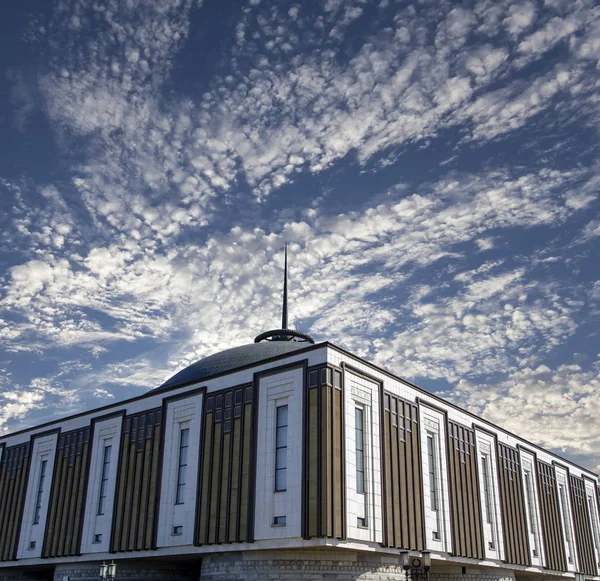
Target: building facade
[291,460]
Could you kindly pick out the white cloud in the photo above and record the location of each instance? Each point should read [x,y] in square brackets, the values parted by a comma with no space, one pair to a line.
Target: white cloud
[553,407]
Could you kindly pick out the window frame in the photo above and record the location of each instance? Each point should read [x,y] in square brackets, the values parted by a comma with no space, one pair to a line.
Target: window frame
[278,469]
[104,478]
[182,462]
[40,491]
[361,473]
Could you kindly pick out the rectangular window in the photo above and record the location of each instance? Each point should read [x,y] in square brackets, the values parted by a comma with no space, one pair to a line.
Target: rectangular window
[564,509]
[531,513]
[359,430]
[177,530]
[594,517]
[487,486]
[40,492]
[104,481]
[281,448]
[279,521]
[184,438]
[433,496]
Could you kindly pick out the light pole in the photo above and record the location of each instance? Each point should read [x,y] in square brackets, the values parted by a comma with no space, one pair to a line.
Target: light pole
[108,571]
[417,567]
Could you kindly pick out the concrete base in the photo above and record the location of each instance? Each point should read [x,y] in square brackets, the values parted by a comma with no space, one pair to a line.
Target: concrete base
[301,565]
[135,571]
[329,565]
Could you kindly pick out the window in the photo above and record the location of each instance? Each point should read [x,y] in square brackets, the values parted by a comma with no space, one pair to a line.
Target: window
[594,518]
[281,448]
[359,429]
[531,512]
[566,518]
[184,439]
[433,500]
[485,470]
[279,521]
[98,538]
[40,492]
[177,530]
[432,468]
[104,481]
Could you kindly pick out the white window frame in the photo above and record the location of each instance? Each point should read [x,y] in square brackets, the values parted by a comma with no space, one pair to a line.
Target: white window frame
[494,542]
[277,390]
[532,508]
[437,522]
[362,491]
[362,392]
[105,433]
[181,414]
[31,538]
[592,500]
[566,518]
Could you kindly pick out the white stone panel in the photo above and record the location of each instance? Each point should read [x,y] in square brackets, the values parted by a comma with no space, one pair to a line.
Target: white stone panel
[492,531]
[364,393]
[106,433]
[181,414]
[566,516]
[32,534]
[532,508]
[437,523]
[285,388]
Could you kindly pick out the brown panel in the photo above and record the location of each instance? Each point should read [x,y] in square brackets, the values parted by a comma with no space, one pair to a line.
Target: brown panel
[224,490]
[556,558]
[235,477]
[583,529]
[403,522]
[339,468]
[244,533]
[13,483]
[67,496]
[313,458]
[465,518]
[136,501]
[205,476]
[323,439]
[516,540]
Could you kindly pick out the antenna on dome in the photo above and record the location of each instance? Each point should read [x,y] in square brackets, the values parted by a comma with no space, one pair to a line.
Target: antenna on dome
[284,317]
[284,334]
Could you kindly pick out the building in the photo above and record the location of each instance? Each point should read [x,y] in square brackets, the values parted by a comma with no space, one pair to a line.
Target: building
[285,459]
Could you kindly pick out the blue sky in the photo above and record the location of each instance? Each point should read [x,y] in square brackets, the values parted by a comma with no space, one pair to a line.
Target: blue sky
[434,166]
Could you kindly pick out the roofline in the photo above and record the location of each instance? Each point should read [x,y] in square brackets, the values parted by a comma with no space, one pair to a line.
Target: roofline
[160,391]
[453,405]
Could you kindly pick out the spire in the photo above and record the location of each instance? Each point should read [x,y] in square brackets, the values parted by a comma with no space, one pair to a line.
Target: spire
[284,318]
[284,334]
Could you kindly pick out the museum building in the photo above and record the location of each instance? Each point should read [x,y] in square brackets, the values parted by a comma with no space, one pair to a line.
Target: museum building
[289,459]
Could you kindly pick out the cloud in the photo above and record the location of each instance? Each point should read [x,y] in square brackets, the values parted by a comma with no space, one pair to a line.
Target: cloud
[159,242]
[553,407]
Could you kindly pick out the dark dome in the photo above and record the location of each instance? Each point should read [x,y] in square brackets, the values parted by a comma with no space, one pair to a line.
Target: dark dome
[231,359]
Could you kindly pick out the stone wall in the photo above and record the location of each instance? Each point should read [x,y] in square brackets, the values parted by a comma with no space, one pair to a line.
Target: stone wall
[301,565]
[136,571]
[328,565]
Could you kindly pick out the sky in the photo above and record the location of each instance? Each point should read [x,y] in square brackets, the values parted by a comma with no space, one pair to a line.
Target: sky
[433,166]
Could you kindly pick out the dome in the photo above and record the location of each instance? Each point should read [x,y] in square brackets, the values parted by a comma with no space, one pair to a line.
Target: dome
[232,359]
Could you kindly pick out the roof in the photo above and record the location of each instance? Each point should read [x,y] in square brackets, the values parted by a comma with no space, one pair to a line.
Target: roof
[231,359]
